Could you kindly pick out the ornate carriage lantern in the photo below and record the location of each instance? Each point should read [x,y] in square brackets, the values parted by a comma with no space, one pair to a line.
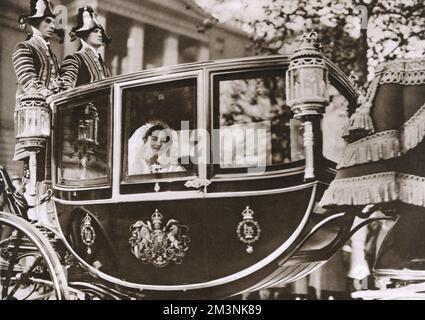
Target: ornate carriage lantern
[32,123]
[87,136]
[307,95]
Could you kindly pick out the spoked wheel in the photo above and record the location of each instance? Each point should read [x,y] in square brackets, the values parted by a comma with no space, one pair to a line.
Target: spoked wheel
[89,291]
[29,267]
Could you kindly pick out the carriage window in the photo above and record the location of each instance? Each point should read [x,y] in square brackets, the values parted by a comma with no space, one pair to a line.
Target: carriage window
[82,140]
[256,125]
[159,121]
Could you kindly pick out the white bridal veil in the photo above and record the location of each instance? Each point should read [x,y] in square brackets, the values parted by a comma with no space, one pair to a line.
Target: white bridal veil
[139,152]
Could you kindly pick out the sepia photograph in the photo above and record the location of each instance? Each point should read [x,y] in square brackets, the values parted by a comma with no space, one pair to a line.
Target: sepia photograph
[212,150]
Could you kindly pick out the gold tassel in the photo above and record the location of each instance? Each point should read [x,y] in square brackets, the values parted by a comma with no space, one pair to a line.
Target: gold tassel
[359,125]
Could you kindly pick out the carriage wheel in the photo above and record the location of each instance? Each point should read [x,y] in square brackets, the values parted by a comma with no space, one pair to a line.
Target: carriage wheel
[90,291]
[29,267]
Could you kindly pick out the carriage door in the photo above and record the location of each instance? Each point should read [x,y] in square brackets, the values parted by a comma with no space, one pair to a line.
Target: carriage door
[158,119]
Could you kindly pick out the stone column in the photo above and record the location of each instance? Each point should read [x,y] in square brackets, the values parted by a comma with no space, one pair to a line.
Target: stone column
[135,48]
[204,53]
[171,50]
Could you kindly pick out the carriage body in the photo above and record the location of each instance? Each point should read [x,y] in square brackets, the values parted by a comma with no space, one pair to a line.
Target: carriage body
[237,216]
[220,250]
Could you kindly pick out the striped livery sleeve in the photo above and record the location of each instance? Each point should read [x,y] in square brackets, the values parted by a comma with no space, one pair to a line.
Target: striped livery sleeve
[69,71]
[23,62]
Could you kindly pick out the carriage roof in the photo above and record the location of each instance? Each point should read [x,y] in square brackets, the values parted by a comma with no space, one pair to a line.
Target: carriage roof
[337,76]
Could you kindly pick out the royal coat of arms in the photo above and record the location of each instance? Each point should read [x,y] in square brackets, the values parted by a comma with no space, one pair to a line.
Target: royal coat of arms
[159,244]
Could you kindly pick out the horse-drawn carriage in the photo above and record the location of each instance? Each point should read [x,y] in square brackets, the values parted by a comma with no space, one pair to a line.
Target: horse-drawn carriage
[232,206]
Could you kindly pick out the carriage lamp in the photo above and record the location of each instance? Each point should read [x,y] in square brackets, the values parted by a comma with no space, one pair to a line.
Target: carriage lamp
[87,136]
[307,96]
[32,123]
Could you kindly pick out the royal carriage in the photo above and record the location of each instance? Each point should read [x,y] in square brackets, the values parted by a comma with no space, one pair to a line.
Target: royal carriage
[253,143]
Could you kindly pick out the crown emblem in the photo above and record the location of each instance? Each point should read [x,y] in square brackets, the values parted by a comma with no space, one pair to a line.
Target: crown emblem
[87,220]
[247,213]
[157,217]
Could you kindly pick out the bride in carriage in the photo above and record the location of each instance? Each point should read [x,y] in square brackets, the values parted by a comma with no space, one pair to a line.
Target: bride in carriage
[151,149]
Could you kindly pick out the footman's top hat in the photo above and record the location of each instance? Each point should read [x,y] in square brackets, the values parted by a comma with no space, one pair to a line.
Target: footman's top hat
[86,22]
[40,9]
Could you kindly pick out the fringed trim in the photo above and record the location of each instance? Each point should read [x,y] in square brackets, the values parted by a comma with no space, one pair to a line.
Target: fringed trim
[405,72]
[380,146]
[412,189]
[404,78]
[413,130]
[364,190]
[386,144]
[375,189]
